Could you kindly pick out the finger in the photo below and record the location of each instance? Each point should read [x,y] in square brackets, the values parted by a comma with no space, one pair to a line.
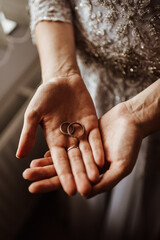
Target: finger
[41,162]
[79,172]
[46,185]
[39,173]
[87,156]
[115,174]
[62,166]
[95,141]
[28,135]
[47,154]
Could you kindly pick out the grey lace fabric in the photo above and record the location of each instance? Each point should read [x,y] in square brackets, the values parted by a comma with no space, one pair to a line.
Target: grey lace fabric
[118,52]
[49,10]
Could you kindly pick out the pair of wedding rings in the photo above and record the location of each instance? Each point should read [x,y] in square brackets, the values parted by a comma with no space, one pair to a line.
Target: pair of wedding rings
[69,129]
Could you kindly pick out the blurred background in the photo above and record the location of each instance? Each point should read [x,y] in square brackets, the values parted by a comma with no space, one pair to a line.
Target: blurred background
[23,216]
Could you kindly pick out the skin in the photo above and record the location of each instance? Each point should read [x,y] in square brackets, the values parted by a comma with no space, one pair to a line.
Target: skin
[121,140]
[123,129]
[63,97]
[77,168]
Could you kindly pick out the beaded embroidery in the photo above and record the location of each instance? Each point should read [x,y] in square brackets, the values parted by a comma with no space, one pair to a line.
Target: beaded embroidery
[123,36]
[118,43]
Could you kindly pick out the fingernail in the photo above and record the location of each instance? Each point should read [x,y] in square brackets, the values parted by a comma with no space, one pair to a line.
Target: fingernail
[17,156]
[23,175]
[30,189]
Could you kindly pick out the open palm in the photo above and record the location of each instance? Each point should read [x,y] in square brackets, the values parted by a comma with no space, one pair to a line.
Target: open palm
[57,101]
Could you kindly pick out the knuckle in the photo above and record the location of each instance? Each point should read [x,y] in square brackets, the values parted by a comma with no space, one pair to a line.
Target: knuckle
[125,169]
[67,182]
[71,191]
[74,154]
[31,115]
[30,135]
[79,174]
[32,189]
[84,189]
[65,177]
[83,185]
[76,160]
[35,188]
[60,167]
[27,174]
[94,175]
[34,163]
[61,160]
[100,159]
[47,154]
[62,174]
[92,171]
[94,139]
[86,149]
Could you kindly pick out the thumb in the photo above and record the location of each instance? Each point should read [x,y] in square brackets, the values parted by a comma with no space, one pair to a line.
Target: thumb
[115,173]
[28,134]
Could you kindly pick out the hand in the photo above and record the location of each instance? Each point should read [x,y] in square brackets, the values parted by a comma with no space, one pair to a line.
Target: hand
[43,174]
[122,129]
[59,100]
[121,139]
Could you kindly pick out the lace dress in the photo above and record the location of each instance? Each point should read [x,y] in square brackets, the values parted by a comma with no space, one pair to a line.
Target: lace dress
[118,52]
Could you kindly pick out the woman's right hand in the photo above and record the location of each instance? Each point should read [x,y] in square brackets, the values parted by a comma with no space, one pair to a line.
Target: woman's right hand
[65,99]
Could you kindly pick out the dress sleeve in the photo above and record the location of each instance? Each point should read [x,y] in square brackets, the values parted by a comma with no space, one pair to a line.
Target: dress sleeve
[51,10]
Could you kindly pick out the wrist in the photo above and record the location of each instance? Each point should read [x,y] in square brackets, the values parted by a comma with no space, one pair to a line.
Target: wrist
[145,109]
[56,48]
[65,83]
[63,66]
[55,75]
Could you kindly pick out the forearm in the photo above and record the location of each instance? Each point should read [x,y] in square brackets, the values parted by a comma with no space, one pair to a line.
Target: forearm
[56,47]
[145,108]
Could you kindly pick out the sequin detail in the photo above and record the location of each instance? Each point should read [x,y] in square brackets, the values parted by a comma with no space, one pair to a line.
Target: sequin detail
[123,36]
